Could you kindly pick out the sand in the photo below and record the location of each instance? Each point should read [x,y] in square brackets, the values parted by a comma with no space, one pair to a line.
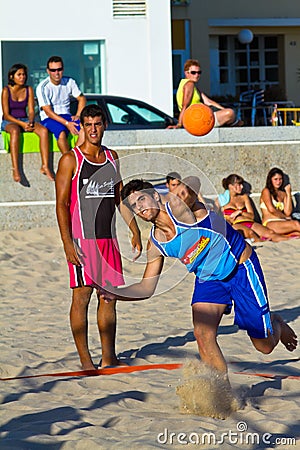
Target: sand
[141,409]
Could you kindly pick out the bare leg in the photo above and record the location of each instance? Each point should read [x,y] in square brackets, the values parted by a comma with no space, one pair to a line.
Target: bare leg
[79,324]
[248,233]
[281,332]
[107,324]
[285,226]
[206,319]
[265,232]
[42,133]
[63,143]
[227,117]
[14,131]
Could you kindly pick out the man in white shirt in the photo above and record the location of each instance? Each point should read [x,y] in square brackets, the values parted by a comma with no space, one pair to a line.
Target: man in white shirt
[53,96]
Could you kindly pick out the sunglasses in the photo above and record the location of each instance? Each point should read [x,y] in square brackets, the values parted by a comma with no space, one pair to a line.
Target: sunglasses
[195,72]
[59,69]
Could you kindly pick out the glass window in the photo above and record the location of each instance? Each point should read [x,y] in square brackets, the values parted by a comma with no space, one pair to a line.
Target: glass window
[132,113]
[224,76]
[83,61]
[235,76]
[223,59]
[271,58]
[146,114]
[272,74]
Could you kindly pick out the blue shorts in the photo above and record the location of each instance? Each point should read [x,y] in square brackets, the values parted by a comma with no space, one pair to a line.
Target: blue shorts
[7,122]
[56,127]
[247,289]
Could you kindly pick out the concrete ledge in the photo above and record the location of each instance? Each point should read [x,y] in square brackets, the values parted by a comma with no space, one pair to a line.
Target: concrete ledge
[217,135]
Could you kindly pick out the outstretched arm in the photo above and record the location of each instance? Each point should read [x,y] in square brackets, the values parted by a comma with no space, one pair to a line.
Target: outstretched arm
[209,102]
[146,287]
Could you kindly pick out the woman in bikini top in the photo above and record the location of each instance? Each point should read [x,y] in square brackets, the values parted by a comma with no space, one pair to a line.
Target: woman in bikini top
[276,205]
[240,214]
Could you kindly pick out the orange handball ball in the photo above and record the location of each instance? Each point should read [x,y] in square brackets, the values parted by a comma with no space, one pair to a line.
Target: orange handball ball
[198,119]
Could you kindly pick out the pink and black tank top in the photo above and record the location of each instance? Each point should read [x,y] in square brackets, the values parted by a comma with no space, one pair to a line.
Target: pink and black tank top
[92,205]
[18,109]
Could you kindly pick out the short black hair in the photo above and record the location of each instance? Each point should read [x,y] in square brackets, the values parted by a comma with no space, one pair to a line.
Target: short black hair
[55,59]
[136,185]
[92,111]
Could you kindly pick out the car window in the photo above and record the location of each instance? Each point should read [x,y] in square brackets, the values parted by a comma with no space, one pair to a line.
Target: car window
[131,113]
[117,114]
[147,114]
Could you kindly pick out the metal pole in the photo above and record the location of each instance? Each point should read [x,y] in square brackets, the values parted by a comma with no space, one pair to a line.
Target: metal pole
[248,65]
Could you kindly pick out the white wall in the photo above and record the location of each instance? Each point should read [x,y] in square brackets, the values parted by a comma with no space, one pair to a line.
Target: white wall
[138,50]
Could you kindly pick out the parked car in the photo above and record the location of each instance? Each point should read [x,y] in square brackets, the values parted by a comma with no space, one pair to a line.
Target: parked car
[128,114]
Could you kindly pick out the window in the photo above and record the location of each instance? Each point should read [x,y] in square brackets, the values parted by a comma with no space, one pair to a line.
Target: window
[132,113]
[230,69]
[83,61]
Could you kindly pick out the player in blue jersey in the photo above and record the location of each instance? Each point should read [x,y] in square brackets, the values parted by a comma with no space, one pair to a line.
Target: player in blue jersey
[226,268]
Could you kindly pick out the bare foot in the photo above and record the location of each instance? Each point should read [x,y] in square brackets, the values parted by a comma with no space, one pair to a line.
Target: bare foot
[46,171]
[114,363]
[288,337]
[16,175]
[88,366]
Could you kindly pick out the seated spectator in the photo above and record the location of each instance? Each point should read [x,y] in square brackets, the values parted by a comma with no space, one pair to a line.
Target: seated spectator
[18,116]
[173,179]
[277,206]
[53,96]
[240,214]
[177,185]
[188,94]
[189,192]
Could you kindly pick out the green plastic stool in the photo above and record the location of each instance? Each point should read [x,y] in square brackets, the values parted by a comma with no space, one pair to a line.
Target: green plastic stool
[29,142]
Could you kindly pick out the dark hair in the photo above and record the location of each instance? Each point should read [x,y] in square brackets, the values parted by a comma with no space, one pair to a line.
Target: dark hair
[269,184]
[173,176]
[13,70]
[231,179]
[92,111]
[136,185]
[55,59]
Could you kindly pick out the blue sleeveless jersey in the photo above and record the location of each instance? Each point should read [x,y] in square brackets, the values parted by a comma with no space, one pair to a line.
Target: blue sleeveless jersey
[210,248]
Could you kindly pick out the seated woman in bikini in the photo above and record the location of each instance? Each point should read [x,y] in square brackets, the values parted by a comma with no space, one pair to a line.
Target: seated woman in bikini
[239,212]
[277,206]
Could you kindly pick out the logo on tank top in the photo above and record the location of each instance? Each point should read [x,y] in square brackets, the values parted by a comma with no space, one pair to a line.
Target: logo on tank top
[95,189]
[192,253]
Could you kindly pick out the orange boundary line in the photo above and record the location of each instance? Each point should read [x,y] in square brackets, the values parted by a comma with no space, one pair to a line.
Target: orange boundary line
[130,369]
[104,371]
[268,375]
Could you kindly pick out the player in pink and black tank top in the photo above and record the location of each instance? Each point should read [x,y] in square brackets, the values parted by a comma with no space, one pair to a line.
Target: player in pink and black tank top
[88,186]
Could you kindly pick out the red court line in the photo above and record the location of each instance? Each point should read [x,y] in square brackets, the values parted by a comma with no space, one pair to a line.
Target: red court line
[268,375]
[105,371]
[130,369]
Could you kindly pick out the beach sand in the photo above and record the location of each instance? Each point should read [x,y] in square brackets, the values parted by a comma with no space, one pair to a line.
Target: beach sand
[139,410]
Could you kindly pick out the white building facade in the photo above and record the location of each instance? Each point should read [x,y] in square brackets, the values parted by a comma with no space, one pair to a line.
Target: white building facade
[108,46]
